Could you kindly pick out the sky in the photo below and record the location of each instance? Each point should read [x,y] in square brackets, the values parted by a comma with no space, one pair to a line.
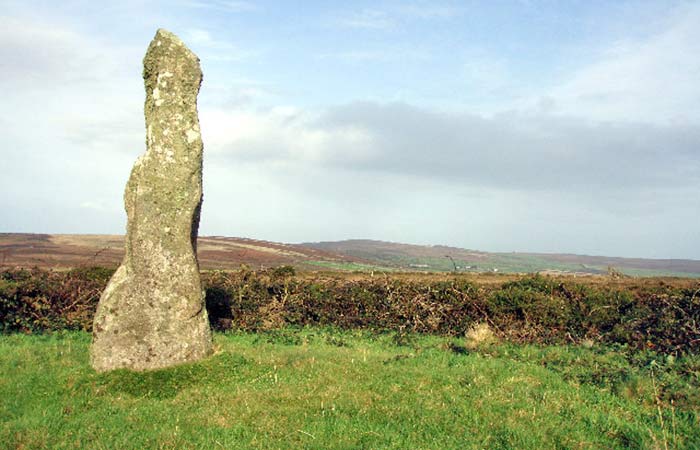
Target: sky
[539,126]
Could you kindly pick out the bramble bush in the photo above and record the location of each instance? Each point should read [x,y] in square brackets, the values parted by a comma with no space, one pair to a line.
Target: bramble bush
[533,309]
[42,300]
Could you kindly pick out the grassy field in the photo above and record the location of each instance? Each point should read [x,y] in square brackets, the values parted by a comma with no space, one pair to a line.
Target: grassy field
[349,266]
[514,263]
[322,388]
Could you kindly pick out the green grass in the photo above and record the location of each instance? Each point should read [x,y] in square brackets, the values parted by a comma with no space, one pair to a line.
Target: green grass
[319,388]
[504,262]
[512,263]
[523,263]
[350,266]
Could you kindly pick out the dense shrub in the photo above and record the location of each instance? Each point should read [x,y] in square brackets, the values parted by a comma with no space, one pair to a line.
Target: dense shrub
[531,309]
[42,300]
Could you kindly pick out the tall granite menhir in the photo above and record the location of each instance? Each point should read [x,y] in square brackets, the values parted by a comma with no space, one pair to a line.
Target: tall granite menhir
[152,314]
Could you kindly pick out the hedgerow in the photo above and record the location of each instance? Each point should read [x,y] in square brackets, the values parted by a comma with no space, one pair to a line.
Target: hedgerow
[533,309]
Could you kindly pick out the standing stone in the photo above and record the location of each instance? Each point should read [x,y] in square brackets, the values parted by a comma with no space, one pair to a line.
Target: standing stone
[152,314]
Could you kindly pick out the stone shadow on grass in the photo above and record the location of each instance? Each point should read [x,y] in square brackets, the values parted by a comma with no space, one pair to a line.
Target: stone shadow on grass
[167,383]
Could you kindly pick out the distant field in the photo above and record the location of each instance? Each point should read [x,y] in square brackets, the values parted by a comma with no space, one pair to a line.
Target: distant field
[444,259]
[350,266]
[320,388]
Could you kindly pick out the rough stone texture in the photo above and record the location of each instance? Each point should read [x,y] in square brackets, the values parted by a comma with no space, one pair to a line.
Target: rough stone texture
[152,314]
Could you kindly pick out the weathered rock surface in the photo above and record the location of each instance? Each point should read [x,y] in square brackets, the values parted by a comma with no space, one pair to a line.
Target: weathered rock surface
[152,314]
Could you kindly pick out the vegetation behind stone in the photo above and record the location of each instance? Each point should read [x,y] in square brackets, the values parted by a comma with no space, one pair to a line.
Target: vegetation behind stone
[658,315]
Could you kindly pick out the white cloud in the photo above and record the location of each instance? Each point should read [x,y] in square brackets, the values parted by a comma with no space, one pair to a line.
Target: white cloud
[201,37]
[384,54]
[98,205]
[514,182]
[389,17]
[367,19]
[487,74]
[356,56]
[282,135]
[528,153]
[212,49]
[73,119]
[428,10]
[37,54]
[231,6]
[654,79]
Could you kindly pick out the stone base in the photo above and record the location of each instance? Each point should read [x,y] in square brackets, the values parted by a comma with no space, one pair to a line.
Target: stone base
[132,331]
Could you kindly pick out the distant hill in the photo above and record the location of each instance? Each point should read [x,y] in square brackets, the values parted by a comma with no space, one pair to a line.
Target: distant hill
[217,252]
[214,252]
[444,258]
